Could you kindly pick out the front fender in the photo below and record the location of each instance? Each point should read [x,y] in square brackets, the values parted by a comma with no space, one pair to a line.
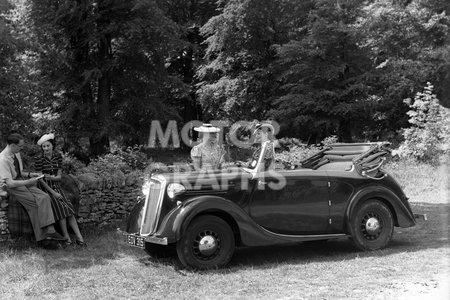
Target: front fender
[204,205]
[175,223]
[401,210]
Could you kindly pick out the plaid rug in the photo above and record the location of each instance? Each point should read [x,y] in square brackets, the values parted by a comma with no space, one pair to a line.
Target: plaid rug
[19,223]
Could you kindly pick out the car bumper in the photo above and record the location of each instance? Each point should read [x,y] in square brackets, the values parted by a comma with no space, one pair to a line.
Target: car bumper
[156,240]
[420,217]
[131,238]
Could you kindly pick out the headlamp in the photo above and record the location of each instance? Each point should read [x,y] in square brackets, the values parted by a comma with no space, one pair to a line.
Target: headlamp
[175,188]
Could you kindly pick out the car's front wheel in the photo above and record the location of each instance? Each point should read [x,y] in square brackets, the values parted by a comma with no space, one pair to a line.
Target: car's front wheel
[207,243]
[371,225]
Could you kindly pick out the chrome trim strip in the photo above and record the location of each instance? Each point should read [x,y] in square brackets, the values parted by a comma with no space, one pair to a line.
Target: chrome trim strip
[204,192]
[307,235]
[144,212]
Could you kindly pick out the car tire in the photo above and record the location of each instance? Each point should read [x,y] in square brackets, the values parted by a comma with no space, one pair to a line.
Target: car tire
[207,243]
[372,225]
[159,251]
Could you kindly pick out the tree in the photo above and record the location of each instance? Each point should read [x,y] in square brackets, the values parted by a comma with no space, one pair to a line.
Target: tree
[321,74]
[106,59]
[348,67]
[190,16]
[16,89]
[107,68]
[235,79]
[407,42]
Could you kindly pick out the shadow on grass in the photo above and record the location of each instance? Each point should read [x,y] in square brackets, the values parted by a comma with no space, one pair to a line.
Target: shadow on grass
[103,246]
[106,244]
[431,234]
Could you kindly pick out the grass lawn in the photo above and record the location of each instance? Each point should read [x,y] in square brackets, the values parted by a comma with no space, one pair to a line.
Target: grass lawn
[414,266]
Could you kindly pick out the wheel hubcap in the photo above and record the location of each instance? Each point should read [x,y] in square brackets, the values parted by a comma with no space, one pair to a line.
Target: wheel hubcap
[371,226]
[206,245]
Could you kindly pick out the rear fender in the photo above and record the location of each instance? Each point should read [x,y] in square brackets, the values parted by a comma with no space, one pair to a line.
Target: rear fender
[402,214]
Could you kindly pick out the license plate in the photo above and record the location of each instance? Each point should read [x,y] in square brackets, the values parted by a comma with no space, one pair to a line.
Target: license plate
[135,241]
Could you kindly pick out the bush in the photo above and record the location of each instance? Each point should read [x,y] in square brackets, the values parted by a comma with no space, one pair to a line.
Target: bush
[132,156]
[71,165]
[295,151]
[429,130]
[107,164]
[330,140]
[123,160]
[117,168]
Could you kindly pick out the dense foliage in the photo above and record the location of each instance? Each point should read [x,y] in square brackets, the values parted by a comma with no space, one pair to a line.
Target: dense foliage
[102,70]
[16,68]
[323,67]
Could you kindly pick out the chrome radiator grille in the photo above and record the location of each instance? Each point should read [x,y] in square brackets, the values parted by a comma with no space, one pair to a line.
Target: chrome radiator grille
[152,207]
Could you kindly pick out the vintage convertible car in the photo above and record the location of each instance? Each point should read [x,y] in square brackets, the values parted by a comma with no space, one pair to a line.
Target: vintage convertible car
[342,191]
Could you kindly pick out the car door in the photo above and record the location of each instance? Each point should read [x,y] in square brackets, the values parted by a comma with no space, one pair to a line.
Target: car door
[341,191]
[291,202]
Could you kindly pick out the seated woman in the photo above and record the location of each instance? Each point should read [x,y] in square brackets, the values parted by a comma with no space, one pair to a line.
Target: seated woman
[208,154]
[49,163]
[263,136]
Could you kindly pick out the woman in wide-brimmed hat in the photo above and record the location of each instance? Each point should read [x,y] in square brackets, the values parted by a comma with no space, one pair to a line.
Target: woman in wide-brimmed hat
[208,154]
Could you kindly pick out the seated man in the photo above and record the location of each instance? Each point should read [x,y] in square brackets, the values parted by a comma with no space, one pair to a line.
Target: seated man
[36,202]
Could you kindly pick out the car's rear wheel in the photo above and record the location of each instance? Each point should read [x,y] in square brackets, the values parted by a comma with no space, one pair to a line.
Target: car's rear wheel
[207,243]
[371,225]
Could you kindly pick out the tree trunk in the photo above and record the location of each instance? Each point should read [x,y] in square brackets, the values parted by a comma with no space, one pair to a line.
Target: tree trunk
[345,131]
[99,141]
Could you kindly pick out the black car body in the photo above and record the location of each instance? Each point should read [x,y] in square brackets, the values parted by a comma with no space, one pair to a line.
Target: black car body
[339,192]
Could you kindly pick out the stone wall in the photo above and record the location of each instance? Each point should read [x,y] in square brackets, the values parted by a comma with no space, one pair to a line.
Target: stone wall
[3,218]
[110,204]
[109,199]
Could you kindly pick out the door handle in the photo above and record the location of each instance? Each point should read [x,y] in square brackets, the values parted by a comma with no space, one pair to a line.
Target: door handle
[261,182]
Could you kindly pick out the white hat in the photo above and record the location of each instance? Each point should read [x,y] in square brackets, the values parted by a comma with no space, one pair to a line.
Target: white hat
[207,128]
[261,125]
[45,138]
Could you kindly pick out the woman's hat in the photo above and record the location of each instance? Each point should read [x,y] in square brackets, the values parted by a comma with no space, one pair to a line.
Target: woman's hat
[45,138]
[261,125]
[207,128]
